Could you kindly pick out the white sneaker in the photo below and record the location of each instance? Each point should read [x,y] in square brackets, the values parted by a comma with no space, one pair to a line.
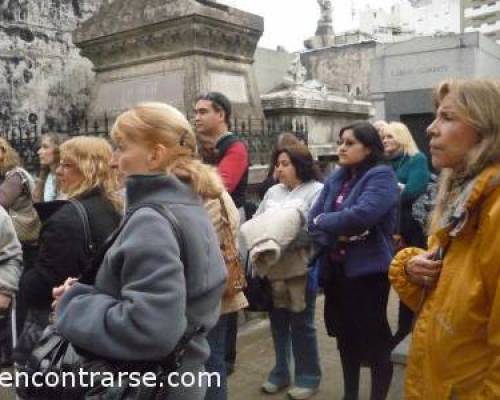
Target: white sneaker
[271,388]
[301,393]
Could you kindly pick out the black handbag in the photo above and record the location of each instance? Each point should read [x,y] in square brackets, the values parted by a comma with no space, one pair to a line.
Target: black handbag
[55,356]
[258,291]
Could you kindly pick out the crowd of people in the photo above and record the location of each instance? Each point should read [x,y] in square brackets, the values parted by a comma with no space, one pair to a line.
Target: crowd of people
[119,237]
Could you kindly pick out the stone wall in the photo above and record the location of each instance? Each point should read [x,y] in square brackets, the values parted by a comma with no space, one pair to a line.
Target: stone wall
[271,67]
[344,69]
[41,70]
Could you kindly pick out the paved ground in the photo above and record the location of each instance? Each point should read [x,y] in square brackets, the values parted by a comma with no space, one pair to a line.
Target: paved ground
[256,358]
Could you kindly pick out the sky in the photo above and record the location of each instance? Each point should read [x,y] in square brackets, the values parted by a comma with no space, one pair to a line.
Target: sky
[290,22]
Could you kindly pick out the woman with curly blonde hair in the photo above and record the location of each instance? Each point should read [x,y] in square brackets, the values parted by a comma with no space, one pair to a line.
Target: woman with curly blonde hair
[453,287]
[165,291]
[86,178]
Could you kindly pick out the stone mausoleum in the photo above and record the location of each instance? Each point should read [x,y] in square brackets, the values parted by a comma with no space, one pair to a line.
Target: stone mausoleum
[171,51]
[403,74]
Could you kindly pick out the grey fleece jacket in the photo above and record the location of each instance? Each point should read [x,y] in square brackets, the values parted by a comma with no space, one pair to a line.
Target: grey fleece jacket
[11,255]
[143,300]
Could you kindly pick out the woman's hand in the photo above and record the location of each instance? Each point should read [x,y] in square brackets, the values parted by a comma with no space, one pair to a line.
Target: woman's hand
[5,300]
[423,270]
[59,291]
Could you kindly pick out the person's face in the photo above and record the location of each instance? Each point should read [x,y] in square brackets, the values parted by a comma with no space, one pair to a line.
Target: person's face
[68,175]
[391,146]
[131,158]
[286,172]
[207,120]
[451,138]
[46,152]
[351,151]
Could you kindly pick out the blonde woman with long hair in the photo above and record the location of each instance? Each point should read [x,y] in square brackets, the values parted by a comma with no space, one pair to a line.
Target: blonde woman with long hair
[151,290]
[84,175]
[453,287]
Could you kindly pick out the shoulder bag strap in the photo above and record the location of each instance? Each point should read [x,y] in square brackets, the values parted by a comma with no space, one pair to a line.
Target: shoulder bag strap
[84,218]
[178,232]
[170,217]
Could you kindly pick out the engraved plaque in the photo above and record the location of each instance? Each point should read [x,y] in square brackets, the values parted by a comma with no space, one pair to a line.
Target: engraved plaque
[232,85]
[126,93]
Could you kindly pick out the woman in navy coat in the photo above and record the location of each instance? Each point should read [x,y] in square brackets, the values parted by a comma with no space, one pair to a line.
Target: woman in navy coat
[352,222]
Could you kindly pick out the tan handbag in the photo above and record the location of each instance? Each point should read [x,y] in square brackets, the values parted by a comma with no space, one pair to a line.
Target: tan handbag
[235,281]
[27,224]
[24,216]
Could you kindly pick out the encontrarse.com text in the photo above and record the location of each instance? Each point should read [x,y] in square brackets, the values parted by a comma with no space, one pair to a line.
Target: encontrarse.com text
[88,379]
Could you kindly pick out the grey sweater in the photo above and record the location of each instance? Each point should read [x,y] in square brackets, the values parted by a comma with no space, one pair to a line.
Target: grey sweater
[11,255]
[143,300]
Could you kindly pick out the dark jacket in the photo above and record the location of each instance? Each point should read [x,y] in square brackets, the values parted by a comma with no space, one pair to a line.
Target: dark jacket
[370,206]
[62,252]
[145,296]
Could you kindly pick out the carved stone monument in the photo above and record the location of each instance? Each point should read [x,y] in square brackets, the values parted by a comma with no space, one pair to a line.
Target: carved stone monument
[322,110]
[171,51]
[325,36]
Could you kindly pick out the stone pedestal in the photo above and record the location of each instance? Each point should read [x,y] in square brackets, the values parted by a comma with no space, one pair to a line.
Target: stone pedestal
[171,51]
[319,42]
[322,111]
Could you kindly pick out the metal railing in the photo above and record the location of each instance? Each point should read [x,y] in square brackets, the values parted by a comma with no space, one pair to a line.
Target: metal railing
[259,134]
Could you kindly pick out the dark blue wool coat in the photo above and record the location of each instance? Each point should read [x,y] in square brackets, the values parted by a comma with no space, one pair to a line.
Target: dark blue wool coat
[371,205]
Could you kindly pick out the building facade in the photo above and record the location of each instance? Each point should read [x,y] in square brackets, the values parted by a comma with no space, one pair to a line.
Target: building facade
[483,16]
[403,75]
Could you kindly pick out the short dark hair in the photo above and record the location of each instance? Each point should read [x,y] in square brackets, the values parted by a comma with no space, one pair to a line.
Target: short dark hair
[220,103]
[368,135]
[301,159]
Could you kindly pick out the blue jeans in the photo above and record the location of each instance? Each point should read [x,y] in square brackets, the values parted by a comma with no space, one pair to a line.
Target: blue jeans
[216,362]
[295,333]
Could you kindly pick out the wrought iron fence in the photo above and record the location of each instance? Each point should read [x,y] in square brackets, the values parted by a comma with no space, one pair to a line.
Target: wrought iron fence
[259,134]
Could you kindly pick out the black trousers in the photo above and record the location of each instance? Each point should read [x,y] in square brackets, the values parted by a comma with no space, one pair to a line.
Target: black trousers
[356,314]
[231,334]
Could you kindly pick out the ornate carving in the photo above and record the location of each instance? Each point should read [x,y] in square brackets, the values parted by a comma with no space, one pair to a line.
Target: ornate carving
[296,73]
[325,26]
[326,10]
[166,40]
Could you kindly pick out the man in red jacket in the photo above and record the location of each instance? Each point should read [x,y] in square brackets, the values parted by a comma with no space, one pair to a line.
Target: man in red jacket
[220,147]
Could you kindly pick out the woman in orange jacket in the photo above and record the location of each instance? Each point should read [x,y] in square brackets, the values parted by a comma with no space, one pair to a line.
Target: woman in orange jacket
[454,287]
